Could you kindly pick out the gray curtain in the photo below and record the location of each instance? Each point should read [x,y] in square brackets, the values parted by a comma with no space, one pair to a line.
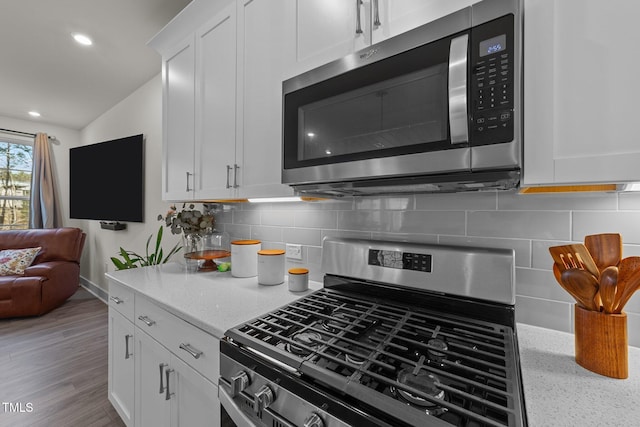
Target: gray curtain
[45,206]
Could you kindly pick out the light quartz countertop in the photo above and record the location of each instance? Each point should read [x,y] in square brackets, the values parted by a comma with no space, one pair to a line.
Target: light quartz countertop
[212,301]
[558,391]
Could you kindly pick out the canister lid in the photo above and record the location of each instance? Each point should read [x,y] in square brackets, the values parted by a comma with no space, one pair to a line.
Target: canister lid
[245,242]
[298,271]
[271,252]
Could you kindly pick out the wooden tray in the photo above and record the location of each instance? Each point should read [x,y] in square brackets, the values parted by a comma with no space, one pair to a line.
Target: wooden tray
[602,345]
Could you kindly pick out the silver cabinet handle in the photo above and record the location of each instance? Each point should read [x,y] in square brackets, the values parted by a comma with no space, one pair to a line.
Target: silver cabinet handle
[168,393]
[235,176]
[376,13]
[126,346]
[228,170]
[188,175]
[146,320]
[116,300]
[162,366]
[358,23]
[458,89]
[192,351]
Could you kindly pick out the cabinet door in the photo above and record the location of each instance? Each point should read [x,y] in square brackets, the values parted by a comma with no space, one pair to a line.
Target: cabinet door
[152,408]
[216,106]
[121,365]
[262,47]
[194,402]
[178,82]
[327,29]
[580,92]
[392,17]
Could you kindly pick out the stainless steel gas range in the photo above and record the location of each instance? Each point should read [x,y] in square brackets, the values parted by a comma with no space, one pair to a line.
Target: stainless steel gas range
[401,334]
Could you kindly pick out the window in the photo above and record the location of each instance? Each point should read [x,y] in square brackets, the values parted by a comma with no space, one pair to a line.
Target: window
[16,162]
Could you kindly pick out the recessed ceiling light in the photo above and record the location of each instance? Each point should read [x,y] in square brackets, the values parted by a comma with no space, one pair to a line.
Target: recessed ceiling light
[82,39]
[34,114]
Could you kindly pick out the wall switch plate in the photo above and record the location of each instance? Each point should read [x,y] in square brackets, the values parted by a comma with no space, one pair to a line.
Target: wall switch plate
[294,251]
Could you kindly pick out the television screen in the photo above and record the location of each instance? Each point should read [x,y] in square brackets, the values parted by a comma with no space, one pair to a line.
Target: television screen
[106,180]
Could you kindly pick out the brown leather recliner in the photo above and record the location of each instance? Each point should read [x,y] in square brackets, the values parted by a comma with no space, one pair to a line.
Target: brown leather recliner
[53,276]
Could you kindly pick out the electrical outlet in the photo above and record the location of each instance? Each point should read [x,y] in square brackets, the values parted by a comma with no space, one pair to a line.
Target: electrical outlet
[294,251]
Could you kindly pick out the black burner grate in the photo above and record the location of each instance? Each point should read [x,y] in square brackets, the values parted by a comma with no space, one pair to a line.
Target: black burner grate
[360,346]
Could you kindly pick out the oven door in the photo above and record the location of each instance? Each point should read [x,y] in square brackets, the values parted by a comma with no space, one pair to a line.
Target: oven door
[399,108]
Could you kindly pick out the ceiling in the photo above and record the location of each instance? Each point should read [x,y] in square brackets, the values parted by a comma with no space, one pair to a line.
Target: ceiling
[70,85]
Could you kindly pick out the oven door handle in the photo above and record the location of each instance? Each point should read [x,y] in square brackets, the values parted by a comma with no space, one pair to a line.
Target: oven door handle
[458,119]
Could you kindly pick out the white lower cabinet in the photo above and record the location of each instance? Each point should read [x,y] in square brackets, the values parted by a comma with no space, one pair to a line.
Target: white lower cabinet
[169,392]
[121,365]
[162,370]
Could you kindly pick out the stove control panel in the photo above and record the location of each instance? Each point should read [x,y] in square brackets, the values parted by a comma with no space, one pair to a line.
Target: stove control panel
[400,260]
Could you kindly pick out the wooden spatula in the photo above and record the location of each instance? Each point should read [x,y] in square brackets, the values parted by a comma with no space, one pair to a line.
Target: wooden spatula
[574,256]
[605,249]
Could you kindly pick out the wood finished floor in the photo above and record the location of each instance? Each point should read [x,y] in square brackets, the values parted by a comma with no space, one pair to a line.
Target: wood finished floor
[57,363]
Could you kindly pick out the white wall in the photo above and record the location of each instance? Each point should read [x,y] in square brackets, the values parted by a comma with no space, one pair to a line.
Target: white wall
[141,112]
[65,138]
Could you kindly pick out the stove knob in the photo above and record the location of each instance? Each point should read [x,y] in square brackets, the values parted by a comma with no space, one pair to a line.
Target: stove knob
[263,398]
[239,382]
[314,421]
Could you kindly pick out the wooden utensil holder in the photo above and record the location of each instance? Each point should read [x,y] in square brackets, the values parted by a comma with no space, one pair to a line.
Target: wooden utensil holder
[601,342]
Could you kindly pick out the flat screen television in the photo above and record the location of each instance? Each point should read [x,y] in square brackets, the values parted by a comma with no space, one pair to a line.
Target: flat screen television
[106,180]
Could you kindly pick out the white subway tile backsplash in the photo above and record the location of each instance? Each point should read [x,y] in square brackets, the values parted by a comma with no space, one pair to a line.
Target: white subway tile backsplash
[549,225]
[402,203]
[457,201]
[303,236]
[540,284]
[246,217]
[529,224]
[280,218]
[625,223]
[424,222]
[273,234]
[544,313]
[316,219]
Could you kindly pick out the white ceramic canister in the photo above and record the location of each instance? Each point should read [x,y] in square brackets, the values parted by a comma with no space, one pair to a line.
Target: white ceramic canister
[298,279]
[270,266]
[244,258]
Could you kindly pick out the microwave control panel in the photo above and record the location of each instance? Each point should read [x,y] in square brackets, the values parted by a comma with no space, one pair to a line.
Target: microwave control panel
[492,91]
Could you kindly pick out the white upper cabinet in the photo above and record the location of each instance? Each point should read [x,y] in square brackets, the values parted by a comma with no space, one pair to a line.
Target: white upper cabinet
[178,120]
[326,30]
[263,44]
[199,98]
[580,93]
[215,122]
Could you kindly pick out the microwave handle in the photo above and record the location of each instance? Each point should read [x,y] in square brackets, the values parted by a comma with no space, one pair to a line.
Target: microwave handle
[458,120]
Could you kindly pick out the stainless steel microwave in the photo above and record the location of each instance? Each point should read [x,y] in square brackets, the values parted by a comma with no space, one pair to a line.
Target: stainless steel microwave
[435,109]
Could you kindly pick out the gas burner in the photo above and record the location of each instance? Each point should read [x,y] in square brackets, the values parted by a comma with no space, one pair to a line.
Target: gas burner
[436,357]
[309,339]
[339,320]
[425,382]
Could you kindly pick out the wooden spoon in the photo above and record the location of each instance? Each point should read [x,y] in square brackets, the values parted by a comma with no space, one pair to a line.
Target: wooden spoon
[628,266]
[583,286]
[631,284]
[605,249]
[608,284]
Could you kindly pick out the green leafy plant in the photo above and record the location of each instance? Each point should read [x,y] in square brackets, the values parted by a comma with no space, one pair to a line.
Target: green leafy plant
[131,259]
[188,220]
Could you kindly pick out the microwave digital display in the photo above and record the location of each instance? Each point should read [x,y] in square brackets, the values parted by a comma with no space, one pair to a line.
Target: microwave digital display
[493,45]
